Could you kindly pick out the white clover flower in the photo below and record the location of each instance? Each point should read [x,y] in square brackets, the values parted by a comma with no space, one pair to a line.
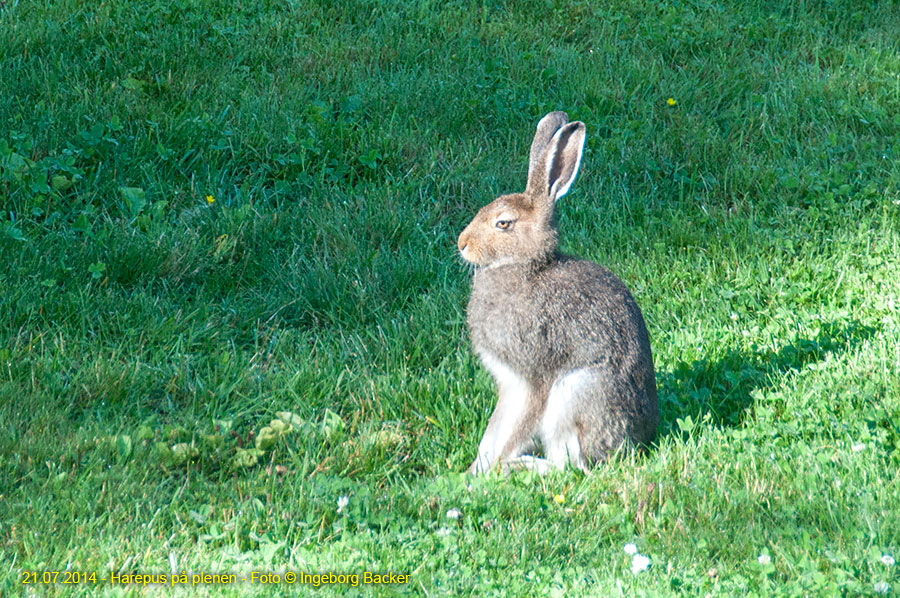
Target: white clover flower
[444,531]
[858,447]
[630,549]
[882,587]
[764,559]
[888,560]
[454,514]
[639,562]
[343,501]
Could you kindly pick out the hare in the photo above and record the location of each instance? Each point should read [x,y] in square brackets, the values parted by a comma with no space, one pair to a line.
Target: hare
[563,338]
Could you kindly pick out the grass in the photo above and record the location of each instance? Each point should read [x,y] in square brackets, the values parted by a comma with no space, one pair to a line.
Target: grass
[230,292]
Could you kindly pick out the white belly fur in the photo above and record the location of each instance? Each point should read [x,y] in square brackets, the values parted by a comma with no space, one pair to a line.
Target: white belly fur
[558,432]
[556,425]
[512,400]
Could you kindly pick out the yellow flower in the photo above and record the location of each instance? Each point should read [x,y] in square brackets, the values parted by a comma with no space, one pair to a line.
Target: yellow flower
[559,498]
[671,102]
[210,199]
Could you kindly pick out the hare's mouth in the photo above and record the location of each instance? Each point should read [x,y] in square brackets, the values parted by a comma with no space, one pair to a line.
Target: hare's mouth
[466,260]
[480,264]
[475,258]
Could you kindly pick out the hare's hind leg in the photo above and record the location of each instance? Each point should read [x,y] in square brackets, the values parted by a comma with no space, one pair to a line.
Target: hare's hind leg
[510,429]
[559,425]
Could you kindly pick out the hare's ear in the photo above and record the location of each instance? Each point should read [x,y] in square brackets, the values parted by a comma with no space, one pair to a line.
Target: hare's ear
[548,126]
[557,168]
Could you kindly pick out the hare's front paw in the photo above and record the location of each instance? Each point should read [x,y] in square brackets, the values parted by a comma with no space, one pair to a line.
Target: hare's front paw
[526,462]
[478,466]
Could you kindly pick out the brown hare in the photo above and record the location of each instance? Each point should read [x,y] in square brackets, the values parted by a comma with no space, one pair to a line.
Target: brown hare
[563,338]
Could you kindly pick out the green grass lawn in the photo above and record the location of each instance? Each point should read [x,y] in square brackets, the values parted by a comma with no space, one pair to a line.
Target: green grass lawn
[230,293]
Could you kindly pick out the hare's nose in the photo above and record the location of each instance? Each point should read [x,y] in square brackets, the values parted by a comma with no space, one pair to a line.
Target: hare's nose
[462,243]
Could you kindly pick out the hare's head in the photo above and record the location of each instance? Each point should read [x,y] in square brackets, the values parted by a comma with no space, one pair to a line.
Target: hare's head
[519,228]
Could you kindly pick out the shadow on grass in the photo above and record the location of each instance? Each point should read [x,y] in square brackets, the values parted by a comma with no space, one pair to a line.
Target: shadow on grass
[722,388]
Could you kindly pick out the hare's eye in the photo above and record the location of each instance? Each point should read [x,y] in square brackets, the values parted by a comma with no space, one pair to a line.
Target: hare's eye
[503,224]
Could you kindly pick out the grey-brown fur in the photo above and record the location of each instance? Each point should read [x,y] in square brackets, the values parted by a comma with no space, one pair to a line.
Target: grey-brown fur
[563,338]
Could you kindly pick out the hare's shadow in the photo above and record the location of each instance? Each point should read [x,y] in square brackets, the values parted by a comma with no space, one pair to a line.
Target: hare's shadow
[720,390]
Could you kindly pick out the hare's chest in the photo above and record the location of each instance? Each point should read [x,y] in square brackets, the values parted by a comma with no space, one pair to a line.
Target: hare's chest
[497,326]
[511,327]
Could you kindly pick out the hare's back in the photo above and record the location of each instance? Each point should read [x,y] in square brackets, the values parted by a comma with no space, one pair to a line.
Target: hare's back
[591,313]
